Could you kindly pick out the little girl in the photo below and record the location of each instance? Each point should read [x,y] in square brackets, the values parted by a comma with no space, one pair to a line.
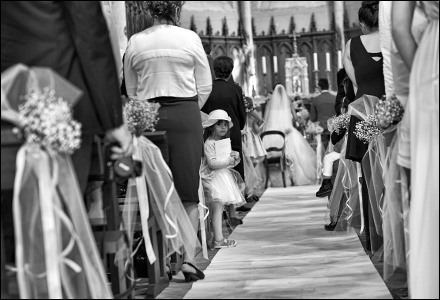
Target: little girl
[222,184]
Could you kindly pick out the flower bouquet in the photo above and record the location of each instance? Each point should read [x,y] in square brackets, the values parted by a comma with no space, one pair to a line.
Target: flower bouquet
[389,112]
[368,129]
[47,121]
[340,122]
[141,116]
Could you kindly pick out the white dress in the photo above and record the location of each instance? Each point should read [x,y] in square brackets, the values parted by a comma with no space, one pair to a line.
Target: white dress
[423,105]
[221,183]
[301,158]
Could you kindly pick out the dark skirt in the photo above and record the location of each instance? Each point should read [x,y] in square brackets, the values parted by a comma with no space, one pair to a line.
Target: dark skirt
[180,118]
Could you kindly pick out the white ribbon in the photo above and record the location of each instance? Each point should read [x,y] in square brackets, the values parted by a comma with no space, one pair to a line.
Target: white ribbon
[202,218]
[142,193]
[169,194]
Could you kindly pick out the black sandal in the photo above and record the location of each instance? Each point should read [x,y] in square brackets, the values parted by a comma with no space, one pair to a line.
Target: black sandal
[199,274]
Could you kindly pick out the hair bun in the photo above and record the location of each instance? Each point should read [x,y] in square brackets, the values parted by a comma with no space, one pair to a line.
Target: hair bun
[374,5]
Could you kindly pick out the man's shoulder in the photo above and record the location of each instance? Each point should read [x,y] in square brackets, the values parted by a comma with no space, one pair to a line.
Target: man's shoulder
[323,96]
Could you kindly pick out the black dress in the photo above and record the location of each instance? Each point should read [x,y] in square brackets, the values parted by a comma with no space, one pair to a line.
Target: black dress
[370,80]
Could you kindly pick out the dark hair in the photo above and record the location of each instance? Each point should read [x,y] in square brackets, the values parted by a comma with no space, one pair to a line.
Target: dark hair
[275,85]
[223,66]
[369,13]
[297,98]
[209,131]
[206,47]
[165,9]
[323,83]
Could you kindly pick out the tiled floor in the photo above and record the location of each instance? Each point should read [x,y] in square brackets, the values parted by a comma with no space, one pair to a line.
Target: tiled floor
[283,252]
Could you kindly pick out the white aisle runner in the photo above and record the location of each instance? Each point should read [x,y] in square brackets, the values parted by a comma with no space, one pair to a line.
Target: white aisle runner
[283,251]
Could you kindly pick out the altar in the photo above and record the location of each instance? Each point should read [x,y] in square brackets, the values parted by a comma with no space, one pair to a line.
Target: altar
[297,78]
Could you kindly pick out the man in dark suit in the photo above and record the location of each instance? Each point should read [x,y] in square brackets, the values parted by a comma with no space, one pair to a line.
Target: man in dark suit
[228,96]
[345,92]
[71,38]
[323,109]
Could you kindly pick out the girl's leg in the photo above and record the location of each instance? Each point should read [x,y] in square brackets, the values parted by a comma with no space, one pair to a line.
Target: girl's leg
[217,220]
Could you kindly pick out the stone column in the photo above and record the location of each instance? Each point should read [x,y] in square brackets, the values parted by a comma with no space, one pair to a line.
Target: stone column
[120,22]
[246,18]
[339,23]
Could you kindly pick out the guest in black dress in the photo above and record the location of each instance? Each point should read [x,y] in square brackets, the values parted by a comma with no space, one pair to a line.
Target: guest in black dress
[364,66]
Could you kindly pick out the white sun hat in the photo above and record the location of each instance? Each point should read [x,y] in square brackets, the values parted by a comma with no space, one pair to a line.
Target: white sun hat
[216,115]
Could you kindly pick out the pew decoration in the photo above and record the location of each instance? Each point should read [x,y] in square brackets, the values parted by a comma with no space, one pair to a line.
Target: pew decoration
[340,123]
[389,112]
[56,253]
[154,190]
[47,122]
[141,116]
[368,129]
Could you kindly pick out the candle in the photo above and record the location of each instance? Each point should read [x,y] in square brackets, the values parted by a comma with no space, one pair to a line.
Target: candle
[275,64]
[263,64]
[339,59]
[315,60]
[327,61]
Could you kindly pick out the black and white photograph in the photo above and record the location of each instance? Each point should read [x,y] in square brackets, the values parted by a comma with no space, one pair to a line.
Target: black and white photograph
[220,150]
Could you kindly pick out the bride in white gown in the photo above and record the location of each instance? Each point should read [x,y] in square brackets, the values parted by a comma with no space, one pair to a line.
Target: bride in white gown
[300,155]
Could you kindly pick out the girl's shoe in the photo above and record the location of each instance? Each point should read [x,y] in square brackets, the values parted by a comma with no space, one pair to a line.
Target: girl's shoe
[189,277]
[225,243]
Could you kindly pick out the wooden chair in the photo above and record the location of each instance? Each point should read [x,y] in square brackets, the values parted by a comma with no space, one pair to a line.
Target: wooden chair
[159,138]
[10,144]
[107,232]
[278,162]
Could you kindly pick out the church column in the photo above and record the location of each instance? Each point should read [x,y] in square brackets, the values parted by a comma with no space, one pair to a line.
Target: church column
[339,23]
[246,18]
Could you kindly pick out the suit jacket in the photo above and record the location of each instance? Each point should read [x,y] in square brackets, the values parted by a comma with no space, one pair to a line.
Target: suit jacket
[229,97]
[71,37]
[323,109]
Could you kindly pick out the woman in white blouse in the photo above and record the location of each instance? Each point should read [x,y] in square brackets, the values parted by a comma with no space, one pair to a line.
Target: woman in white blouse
[167,64]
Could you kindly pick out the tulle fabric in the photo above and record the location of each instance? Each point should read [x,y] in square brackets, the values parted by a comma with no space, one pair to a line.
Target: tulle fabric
[18,79]
[423,103]
[252,142]
[301,158]
[56,253]
[252,175]
[347,199]
[395,209]
[343,202]
[162,200]
[223,185]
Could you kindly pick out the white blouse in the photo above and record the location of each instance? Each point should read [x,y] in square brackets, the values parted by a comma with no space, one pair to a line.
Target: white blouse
[166,60]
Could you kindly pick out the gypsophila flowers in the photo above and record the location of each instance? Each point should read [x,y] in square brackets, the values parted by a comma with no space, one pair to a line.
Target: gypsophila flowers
[367,130]
[47,121]
[341,122]
[389,112]
[141,116]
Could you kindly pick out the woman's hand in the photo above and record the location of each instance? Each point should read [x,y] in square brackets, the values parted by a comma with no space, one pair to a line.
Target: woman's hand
[231,161]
